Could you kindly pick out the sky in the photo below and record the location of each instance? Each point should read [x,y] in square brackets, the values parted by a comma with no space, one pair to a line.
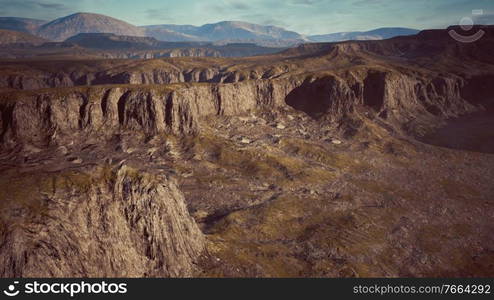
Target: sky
[303,16]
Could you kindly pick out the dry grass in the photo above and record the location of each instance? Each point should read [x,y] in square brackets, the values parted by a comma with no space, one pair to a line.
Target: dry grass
[332,159]
[29,191]
[270,164]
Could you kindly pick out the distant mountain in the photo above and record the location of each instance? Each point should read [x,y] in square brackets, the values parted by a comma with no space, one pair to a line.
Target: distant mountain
[9,37]
[376,34]
[162,33]
[20,24]
[221,33]
[120,46]
[231,31]
[110,41]
[63,28]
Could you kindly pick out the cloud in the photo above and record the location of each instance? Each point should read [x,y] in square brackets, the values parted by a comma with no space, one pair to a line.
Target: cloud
[229,6]
[33,9]
[369,2]
[56,6]
[238,5]
[273,22]
[29,4]
[305,2]
[162,16]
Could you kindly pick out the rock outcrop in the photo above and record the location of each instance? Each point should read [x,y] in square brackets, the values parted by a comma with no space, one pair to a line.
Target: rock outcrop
[42,119]
[100,223]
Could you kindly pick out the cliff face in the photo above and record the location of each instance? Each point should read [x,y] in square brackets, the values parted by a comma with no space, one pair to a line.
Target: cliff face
[102,223]
[401,100]
[50,117]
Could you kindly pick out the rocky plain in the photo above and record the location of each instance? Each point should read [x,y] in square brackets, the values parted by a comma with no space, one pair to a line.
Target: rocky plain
[348,159]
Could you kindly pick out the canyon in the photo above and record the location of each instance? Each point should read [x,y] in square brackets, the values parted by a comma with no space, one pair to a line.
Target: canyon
[348,159]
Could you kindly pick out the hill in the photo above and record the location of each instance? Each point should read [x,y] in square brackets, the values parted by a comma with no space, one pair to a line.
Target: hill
[20,24]
[229,31]
[8,37]
[63,28]
[112,41]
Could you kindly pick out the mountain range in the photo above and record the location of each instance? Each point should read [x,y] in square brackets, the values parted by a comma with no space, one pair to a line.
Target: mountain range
[376,34]
[220,33]
[230,31]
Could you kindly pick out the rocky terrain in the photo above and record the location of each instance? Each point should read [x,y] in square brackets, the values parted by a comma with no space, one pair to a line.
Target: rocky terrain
[69,51]
[352,159]
[17,45]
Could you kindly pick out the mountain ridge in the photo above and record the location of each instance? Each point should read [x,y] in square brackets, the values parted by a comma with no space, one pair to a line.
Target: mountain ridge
[374,34]
[26,25]
[9,37]
[219,30]
[222,32]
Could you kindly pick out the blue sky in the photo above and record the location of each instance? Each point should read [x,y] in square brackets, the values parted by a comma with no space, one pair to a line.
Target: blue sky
[303,16]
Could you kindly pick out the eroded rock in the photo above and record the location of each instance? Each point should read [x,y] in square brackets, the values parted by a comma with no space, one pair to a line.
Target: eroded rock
[106,223]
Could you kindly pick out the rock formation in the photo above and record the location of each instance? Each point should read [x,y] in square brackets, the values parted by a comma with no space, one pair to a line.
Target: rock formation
[310,162]
[105,222]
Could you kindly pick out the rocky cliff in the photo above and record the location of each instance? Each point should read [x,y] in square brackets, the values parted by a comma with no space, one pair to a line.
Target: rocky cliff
[401,100]
[102,222]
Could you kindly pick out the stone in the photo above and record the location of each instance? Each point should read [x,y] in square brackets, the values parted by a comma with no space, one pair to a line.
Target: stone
[75,160]
[130,150]
[62,150]
[200,215]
